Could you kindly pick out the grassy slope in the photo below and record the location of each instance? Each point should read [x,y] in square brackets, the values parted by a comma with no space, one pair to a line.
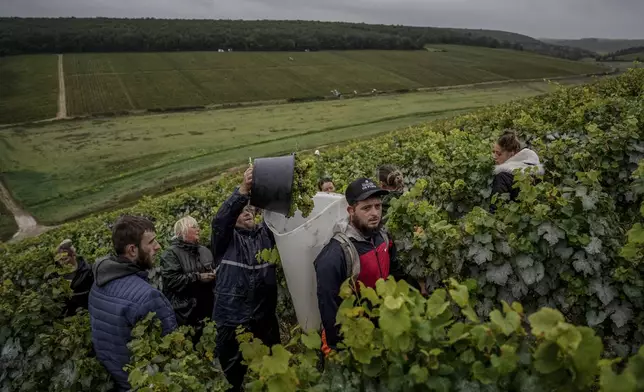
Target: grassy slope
[28,88]
[599,45]
[113,82]
[639,56]
[66,169]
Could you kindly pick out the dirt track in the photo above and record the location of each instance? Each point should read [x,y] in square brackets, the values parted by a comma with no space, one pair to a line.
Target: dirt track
[62,98]
[27,225]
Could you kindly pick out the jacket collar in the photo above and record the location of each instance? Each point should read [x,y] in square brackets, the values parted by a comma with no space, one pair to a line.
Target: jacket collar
[246,232]
[193,248]
[524,159]
[110,268]
[343,226]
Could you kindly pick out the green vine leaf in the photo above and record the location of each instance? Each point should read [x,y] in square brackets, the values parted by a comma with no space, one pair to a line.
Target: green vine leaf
[544,321]
[437,303]
[459,293]
[312,340]
[508,324]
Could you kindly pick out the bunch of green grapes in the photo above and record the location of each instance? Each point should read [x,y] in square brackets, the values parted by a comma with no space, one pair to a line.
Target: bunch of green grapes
[304,187]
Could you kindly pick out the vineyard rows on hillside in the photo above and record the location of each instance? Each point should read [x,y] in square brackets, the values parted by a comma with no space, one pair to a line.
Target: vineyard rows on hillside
[573,242]
[115,83]
[28,88]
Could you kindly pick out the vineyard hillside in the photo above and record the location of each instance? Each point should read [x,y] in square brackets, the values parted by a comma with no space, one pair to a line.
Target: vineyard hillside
[112,83]
[570,249]
[28,88]
[69,169]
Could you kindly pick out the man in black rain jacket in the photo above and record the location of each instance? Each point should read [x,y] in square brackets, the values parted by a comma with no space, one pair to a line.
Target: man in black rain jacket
[245,288]
[80,279]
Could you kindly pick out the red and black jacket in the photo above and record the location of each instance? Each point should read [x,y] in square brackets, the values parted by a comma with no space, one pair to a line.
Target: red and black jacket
[377,260]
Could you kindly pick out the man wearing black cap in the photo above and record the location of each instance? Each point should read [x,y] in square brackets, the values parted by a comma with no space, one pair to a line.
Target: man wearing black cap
[363,251]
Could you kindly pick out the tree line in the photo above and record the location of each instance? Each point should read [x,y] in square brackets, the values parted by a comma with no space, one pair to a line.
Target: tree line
[64,35]
[615,56]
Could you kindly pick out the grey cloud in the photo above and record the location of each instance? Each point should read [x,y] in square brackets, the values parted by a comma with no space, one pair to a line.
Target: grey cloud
[544,18]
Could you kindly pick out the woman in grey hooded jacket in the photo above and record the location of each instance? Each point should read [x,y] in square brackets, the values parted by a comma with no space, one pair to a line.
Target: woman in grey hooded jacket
[509,157]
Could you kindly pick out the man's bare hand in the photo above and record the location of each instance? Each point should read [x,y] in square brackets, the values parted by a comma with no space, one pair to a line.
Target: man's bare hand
[206,277]
[247,183]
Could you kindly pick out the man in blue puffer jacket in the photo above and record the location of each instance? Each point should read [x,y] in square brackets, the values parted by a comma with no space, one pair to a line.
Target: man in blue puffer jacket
[245,289]
[121,295]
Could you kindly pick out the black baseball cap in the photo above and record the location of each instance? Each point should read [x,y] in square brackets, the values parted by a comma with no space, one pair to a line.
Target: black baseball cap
[363,189]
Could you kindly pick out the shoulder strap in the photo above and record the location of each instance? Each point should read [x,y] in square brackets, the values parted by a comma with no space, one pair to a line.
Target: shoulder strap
[385,237]
[351,256]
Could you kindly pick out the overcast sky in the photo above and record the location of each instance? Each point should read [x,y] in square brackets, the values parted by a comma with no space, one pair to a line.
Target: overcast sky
[537,18]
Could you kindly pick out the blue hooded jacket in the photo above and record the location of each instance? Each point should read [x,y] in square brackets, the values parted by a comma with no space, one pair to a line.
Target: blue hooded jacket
[245,289]
[120,297]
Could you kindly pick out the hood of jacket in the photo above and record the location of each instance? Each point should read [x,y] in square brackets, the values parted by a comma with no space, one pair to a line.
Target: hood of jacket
[340,226]
[110,268]
[354,233]
[524,159]
[82,264]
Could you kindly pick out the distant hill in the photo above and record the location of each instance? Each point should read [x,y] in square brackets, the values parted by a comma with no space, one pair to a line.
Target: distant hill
[65,35]
[503,35]
[534,45]
[598,45]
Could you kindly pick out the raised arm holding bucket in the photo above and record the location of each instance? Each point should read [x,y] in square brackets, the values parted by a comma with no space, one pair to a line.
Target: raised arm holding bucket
[245,290]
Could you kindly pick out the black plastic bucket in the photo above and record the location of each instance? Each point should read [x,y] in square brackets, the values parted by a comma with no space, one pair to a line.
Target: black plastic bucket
[273,183]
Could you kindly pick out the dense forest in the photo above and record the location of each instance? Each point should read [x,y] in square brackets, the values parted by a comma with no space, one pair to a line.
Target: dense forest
[621,55]
[64,35]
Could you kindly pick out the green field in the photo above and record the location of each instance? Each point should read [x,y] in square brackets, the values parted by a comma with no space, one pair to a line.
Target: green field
[62,170]
[28,88]
[639,56]
[117,82]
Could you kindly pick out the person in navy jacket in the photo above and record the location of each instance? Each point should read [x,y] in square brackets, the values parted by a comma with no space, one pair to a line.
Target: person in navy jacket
[245,288]
[121,295]
[376,252]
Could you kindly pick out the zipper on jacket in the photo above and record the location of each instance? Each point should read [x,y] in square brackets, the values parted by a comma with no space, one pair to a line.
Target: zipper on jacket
[375,249]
